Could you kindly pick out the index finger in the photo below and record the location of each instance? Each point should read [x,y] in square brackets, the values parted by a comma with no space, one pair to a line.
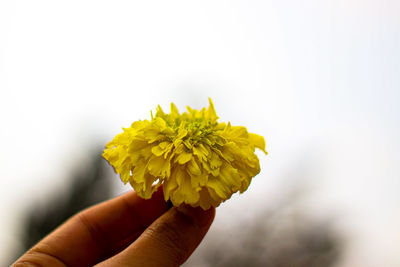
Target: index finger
[99,231]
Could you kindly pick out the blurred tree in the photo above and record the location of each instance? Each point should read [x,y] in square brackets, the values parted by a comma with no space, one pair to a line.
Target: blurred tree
[90,184]
[280,237]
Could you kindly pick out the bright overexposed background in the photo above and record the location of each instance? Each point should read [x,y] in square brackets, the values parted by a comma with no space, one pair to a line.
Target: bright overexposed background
[319,79]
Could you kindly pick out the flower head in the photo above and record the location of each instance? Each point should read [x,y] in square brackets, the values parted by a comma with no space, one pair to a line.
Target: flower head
[198,160]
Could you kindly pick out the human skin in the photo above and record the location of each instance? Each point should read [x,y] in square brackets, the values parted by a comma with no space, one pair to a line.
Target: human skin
[124,231]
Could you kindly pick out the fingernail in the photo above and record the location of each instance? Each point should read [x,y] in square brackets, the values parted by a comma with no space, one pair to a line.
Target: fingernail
[198,215]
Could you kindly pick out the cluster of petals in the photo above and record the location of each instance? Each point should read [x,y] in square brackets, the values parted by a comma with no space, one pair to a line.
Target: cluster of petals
[197,160]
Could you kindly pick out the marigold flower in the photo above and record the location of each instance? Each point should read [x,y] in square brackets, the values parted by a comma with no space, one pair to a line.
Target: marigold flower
[198,160]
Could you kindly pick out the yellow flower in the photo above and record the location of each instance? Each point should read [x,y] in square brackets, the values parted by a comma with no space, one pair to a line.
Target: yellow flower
[198,160]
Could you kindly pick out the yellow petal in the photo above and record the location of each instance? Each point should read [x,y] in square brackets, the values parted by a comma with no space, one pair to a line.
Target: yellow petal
[201,152]
[258,141]
[185,193]
[163,147]
[138,172]
[170,184]
[159,167]
[181,133]
[174,110]
[193,167]
[183,157]
[211,113]
[215,161]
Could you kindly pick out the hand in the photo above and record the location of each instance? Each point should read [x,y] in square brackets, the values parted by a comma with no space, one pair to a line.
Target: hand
[124,231]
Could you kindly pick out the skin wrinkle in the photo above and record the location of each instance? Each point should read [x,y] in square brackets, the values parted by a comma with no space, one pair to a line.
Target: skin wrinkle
[103,242]
[95,233]
[27,264]
[172,237]
[42,256]
[177,253]
[126,242]
[120,246]
[123,243]
[134,213]
[140,225]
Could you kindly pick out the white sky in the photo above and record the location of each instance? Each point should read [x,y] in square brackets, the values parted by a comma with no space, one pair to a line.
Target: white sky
[319,79]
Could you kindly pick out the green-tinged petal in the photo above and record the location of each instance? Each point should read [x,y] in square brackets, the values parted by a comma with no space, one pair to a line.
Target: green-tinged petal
[181,134]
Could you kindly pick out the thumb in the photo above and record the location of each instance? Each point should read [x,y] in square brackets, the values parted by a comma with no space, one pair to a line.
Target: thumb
[168,241]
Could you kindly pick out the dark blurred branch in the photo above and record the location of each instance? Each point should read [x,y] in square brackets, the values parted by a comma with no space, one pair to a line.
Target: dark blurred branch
[89,185]
[279,237]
